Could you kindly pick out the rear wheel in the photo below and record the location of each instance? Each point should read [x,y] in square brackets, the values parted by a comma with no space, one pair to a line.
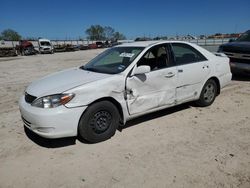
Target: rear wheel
[208,93]
[99,122]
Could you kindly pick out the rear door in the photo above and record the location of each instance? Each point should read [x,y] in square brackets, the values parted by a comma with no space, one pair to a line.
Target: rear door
[156,88]
[192,67]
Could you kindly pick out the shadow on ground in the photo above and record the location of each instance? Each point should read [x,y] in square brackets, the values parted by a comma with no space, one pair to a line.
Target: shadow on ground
[155,115]
[49,143]
[63,142]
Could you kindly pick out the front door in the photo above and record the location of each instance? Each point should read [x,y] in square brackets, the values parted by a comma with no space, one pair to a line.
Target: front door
[153,89]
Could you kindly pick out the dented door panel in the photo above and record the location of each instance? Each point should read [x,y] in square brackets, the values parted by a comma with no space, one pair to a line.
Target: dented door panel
[151,90]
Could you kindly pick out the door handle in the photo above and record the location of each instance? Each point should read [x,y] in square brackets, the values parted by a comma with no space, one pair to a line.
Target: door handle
[180,70]
[169,75]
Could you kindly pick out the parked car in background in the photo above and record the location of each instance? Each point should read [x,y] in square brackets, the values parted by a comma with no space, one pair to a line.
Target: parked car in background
[120,84]
[239,53]
[81,47]
[64,48]
[25,48]
[92,46]
[45,46]
[99,44]
[84,47]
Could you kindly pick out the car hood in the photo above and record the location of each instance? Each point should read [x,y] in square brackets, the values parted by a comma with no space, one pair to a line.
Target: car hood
[237,47]
[62,81]
[46,46]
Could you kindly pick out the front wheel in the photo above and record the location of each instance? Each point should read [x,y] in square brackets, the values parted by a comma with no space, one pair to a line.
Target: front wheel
[99,122]
[208,94]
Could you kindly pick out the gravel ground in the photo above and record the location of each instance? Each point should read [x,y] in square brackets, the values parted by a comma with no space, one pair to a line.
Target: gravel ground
[184,146]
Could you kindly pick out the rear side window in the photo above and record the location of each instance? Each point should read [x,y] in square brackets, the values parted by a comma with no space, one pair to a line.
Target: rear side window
[185,54]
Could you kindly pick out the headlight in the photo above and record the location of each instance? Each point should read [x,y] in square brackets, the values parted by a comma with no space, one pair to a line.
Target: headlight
[53,101]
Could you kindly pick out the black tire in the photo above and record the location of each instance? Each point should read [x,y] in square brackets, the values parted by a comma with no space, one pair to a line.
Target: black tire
[208,94]
[99,122]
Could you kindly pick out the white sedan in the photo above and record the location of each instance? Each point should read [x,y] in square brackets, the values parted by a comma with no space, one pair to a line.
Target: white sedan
[122,83]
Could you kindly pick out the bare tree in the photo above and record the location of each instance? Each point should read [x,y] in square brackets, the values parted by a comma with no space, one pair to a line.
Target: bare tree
[119,36]
[108,32]
[95,32]
[98,32]
[10,34]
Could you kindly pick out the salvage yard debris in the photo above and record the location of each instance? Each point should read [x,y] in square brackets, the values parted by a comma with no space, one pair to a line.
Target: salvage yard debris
[7,52]
[26,48]
[33,47]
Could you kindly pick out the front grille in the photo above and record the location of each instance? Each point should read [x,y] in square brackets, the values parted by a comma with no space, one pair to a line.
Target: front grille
[29,98]
[237,60]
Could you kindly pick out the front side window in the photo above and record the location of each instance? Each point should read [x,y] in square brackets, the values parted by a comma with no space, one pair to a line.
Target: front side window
[114,60]
[157,58]
[185,54]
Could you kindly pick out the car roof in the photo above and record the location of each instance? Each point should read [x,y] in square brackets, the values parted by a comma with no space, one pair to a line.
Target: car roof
[147,43]
[44,40]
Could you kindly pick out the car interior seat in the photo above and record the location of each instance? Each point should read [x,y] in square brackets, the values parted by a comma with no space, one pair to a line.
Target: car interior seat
[188,58]
[162,58]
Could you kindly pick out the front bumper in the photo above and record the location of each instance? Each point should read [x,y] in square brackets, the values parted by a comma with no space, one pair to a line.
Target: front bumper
[51,123]
[240,67]
[46,50]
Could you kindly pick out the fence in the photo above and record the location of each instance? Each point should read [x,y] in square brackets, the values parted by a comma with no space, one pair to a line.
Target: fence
[208,42]
[201,42]
[54,42]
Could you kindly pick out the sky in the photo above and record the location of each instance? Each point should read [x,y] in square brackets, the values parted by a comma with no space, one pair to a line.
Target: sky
[68,19]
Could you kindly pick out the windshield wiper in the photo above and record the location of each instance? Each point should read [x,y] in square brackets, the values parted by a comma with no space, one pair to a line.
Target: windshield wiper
[89,69]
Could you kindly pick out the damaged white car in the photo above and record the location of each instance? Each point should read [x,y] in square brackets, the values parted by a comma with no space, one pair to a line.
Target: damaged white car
[122,83]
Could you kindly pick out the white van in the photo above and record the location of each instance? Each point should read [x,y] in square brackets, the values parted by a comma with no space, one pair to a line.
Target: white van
[45,46]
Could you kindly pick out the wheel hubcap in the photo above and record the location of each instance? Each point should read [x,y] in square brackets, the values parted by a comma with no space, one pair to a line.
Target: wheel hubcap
[209,93]
[101,121]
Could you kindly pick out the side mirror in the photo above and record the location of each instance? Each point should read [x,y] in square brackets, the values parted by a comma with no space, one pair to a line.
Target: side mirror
[142,69]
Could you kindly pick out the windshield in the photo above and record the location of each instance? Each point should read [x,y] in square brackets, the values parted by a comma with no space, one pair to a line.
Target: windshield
[114,60]
[45,43]
[244,37]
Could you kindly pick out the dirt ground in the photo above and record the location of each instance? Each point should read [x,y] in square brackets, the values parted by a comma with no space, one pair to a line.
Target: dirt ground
[184,146]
